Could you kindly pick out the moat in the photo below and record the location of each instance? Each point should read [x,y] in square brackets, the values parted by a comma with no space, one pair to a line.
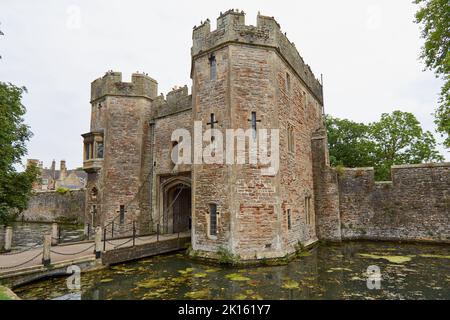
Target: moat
[408,271]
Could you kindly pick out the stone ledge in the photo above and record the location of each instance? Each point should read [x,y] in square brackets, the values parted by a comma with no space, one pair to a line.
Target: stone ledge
[422,165]
[359,169]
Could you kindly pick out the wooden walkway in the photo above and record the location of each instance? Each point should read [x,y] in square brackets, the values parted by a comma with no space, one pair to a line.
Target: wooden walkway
[29,261]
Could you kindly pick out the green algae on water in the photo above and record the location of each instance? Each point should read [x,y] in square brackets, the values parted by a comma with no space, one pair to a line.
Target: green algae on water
[392,259]
[435,256]
[237,277]
[290,284]
[200,294]
[200,275]
[426,276]
[186,271]
[152,283]
[339,269]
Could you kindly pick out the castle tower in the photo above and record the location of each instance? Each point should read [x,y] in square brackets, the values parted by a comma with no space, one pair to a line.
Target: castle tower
[247,77]
[115,147]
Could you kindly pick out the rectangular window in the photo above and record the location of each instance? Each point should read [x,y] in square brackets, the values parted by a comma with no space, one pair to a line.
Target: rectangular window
[99,150]
[253,121]
[290,136]
[93,215]
[288,83]
[87,151]
[213,219]
[308,210]
[212,67]
[289,219]
[122,214]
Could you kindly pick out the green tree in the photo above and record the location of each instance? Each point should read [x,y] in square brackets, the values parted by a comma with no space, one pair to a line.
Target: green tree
[396,139]
[399,139]
[434,18]
[349,143]
[15,187]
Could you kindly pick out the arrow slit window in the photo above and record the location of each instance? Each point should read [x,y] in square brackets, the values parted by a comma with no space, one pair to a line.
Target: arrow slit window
[213,219]
[212,67]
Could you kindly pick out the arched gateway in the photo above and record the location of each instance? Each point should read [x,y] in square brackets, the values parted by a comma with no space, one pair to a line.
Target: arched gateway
[175,205]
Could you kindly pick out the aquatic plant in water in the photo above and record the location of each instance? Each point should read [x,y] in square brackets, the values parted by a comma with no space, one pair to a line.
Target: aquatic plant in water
[237,277]
[200,294]
[392,259]
[290,284]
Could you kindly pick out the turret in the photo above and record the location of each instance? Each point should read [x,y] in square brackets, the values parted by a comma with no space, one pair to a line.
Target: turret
[120,113]
[230,18]
[141,85]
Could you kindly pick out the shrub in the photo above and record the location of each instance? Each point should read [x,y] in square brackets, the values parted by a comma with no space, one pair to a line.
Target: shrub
[340,169]
[226,256]
[62,190]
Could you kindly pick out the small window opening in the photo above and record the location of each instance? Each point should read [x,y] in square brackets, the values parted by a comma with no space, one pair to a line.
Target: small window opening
[213,219]
[212,67]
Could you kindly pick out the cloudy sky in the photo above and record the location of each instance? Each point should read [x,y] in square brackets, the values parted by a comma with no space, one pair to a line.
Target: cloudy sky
[367,51]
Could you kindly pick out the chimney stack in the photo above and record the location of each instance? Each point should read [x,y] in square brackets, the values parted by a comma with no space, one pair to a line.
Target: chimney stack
[63,170]
[53,168]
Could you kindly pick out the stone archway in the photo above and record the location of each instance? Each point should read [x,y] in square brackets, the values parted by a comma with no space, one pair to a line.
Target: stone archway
[175,207]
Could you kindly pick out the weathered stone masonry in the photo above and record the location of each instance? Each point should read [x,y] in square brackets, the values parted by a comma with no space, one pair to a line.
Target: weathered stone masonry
[52,206]
[241,72]
[415,205]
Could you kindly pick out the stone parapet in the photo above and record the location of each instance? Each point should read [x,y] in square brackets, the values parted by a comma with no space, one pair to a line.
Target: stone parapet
[111,83]
[231,28]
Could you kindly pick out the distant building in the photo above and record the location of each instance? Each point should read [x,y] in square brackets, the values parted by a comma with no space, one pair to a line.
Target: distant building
[52,179]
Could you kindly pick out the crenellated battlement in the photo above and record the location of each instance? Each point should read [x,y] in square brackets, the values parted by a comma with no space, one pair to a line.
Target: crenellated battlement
[412,206]
[141,85]
[231,28]
[176,100]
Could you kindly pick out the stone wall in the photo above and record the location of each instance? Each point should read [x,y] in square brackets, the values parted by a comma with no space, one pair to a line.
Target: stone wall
[174,112]
[415,205]
[51,206]
[326,193]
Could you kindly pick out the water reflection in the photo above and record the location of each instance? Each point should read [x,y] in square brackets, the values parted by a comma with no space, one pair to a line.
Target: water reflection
[328,272]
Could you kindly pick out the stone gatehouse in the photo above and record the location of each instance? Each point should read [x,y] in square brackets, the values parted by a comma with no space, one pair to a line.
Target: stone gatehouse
[243,77]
